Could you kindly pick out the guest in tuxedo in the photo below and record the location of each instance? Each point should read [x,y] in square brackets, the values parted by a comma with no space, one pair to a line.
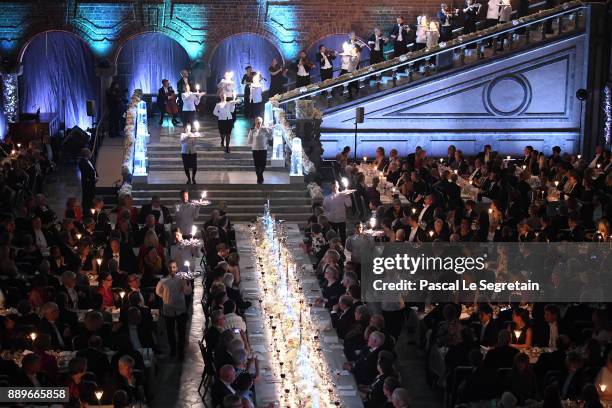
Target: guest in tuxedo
[377,42]
[470,16]
[365,368]
[547,331]
[222,385]
[302,69]
[151,225]
[325,59]
[122,254]
[51,325]
[89,178]
[488,330]
[161,212]
[343,315]
[181,86]
[163,94]
[224,111]
[445,16]
[375,396]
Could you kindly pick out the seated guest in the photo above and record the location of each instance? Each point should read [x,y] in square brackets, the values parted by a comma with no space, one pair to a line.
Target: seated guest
[449,330]
[232,320]
[222,385]
[501,356]
[125,348]
[51,325]
[373,193]
[30,374]
[354,339]
[380,162]
[604,379]
[122,253]
[601,327]
[41,345]
[152,266]
[365,368]
[343,315]
[375,396]
[488,332]
[77,368]
[213,333]
[400,398]
[480,383]
[573,382]
[233,293]
[332,289]
[97,360]
[160,212]
[554,360]
[128,379]
[521,381]
[547,332]
[390,385]
[93,324]
[141,335]
[68,283]
[155,228]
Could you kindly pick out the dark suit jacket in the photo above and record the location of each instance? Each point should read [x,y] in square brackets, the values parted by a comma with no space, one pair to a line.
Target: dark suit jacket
[218,392]
[88,172]
[46,327]
[365,369]
[541,333]
[127,260]
[146,209]
[420,235]
[145,335]
[97,362]
[500,357]
[162,98]
[22,380]
[407,36]
[159,231]
[321,61]
[343,321]
[489,337]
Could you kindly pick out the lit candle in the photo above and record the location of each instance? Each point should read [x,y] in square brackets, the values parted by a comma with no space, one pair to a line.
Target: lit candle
[372,222]
[78,236]
[507,157]
[99,394]
[365,158]
[471,181]
[33,336]
[122,294]
[187,264]
[345,182]
[203,194]
[579,156]
[556,183]
[393,190]
[524,167]
[197,87]
[431,234]
[93,211]
[13,152]
[602,387]
[599,165]
[490,211]
[99,261]
[19,145]
[455,171]
[441,160]
[193,230]
[517,334]
[414,210]
[196,125]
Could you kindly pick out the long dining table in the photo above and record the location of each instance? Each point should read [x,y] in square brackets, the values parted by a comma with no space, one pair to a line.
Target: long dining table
[269,388]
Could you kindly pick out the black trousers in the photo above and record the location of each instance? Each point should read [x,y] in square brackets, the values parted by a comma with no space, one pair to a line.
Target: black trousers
[340,228]
[88,190]
[260,158]
[190,162]
[302,81]
[188,117]
[326,73]
[176,327]
[375,58]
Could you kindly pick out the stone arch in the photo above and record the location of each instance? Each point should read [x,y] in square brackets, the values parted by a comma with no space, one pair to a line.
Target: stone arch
[230,59]
[164,58]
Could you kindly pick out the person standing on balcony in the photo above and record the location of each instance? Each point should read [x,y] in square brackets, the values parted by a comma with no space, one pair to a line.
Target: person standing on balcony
[302,70]
[377,42]
[470,16]
[324,59]
[258,139]
[350,60]
[445,16]
[403,37]
[421,32]
[492,13]
[277,78]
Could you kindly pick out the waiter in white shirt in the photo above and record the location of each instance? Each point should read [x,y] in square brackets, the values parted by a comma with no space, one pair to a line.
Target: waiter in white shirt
[258,139]
[189,153]
[190,101]
[186,213]
[334,206]
[224,111]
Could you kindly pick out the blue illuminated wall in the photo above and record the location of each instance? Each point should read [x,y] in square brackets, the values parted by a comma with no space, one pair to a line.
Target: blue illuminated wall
[3,125]
[147,59]
[59,76]
[334,42]
[236,53]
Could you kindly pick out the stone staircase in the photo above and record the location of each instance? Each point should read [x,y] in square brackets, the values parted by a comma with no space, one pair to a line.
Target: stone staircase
[165,155]
[244,202]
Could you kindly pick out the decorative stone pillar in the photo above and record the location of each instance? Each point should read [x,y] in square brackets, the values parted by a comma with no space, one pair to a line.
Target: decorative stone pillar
[10,95]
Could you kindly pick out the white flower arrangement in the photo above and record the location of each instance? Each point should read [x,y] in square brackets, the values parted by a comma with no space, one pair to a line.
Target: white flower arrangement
[316,194]
[125,189]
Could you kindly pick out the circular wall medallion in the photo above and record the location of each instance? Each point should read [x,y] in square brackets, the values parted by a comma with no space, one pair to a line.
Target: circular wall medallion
[508,95]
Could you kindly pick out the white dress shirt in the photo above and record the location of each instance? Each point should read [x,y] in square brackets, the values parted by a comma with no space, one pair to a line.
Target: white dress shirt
[255,94]
[40,240]
[327,64]
[493,10]
[223,110]
[172,290]
[399,36]
[413,232]
[593,163]
[190,100]
[184,216]
[301,71]
[258,139]
[335,206]
[422,213]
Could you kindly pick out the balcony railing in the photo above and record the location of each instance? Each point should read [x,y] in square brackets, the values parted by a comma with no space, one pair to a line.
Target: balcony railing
[539,27]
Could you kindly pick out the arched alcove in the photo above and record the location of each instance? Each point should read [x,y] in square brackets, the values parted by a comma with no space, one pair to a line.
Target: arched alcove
[146,59]
[334,42]
[59,76]
[237,52]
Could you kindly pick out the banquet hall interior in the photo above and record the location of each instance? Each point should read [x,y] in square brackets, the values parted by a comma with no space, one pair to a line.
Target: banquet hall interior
[192,191]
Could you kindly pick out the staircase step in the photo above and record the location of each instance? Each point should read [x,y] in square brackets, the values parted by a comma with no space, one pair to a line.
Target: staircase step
[177,163]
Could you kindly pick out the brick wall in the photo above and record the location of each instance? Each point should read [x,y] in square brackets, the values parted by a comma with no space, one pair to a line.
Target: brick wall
[199,25]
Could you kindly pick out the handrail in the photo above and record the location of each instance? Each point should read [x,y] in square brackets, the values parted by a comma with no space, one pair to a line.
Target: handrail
[411,57]
[96,140]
